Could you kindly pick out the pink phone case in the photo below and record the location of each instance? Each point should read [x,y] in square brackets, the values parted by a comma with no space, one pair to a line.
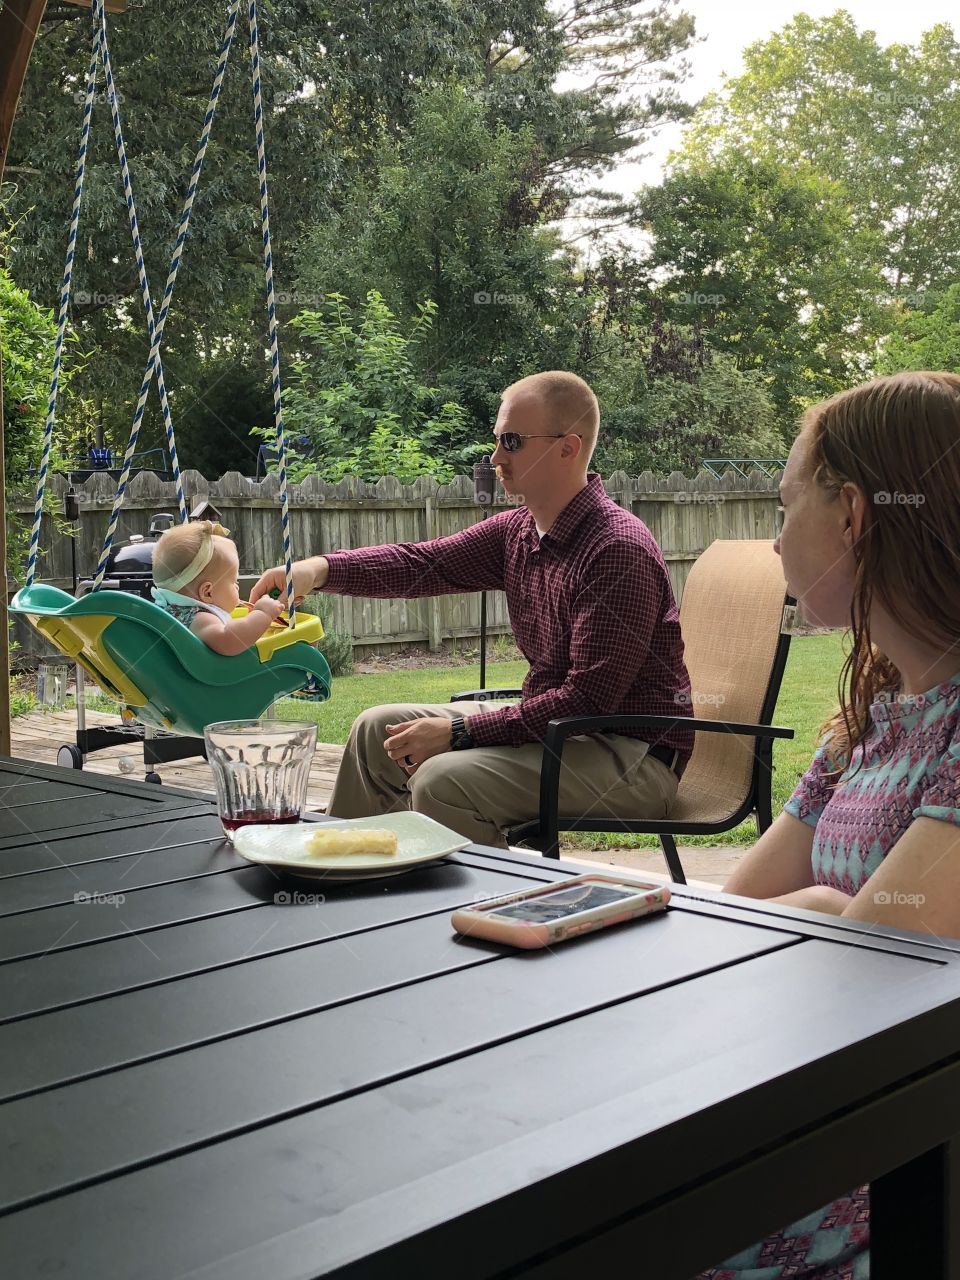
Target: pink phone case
[529,935]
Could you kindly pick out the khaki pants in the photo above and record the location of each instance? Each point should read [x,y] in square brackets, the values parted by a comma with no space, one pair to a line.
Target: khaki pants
[482,792]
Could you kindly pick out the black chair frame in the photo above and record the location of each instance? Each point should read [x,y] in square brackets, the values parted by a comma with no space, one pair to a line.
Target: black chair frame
[543,832]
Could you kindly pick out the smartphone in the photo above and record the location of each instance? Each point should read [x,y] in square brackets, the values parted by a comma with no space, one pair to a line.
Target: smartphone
[552,912]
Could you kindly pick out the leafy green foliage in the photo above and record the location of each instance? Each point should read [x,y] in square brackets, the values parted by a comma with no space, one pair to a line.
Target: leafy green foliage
[926,336]
[355,395]
[770,264]
[215,423]
[686,402]
[882,122]
[336,646]
[27,335]
[453,216]
[342,95]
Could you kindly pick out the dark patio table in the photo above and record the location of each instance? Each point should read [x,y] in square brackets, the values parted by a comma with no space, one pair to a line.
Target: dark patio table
[207,1076]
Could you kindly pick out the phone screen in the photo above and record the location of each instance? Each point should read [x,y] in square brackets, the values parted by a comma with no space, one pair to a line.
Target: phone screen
[564,902]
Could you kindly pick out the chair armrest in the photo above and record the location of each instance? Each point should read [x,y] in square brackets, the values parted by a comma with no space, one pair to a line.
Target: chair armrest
[559,730]
[486,695]
[569,725]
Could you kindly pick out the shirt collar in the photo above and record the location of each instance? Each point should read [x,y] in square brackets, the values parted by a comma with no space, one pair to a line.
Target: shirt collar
[590,497]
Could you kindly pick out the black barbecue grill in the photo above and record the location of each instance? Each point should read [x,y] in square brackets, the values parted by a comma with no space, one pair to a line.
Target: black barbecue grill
[130,564]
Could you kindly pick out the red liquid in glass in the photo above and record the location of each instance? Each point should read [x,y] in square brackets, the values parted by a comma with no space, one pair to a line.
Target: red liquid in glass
[253,817]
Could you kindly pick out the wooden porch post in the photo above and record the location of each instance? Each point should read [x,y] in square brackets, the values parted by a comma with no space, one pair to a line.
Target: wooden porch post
[19,22]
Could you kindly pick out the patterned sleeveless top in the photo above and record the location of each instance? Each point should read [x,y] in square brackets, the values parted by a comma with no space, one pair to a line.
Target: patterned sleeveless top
[910,769]
[185,608]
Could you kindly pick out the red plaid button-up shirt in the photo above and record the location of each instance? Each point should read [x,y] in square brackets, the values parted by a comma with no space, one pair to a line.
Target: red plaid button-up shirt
[590,603]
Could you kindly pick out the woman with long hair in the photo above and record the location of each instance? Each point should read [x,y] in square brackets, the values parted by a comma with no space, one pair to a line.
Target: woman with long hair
[870,541]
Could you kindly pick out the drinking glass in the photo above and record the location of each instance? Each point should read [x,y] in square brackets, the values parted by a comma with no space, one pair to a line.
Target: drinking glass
[53,678]
[261,769]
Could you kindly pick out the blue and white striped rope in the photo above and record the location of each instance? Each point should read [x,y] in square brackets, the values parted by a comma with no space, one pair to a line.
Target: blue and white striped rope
[65,290]
[147,303]
[271,306]
[177,257]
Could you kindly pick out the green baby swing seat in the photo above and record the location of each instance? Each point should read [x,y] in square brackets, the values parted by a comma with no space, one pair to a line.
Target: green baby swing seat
[160,672]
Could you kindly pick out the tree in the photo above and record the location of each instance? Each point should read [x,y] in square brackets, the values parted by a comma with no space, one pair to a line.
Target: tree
[336,86]
[354,395]
[927,336]
[882,122]
[771,264]
[681,402]
[452,217]
[27,335]
[216,427]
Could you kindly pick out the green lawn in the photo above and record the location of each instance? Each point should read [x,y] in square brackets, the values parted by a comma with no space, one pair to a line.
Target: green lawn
[808,695]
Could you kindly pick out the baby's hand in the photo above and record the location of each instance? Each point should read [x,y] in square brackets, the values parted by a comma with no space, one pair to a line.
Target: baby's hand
[272,608]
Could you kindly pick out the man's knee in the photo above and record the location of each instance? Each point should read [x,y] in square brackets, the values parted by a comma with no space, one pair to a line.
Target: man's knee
[374,720]
[441,778]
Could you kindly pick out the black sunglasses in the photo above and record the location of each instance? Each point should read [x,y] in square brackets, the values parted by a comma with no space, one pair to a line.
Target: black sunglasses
[513,440]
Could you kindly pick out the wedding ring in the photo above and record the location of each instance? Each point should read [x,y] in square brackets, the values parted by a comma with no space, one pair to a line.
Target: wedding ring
[408,762]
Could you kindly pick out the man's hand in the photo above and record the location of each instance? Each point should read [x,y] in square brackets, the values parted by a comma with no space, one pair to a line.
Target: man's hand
[308,575]
[414,741]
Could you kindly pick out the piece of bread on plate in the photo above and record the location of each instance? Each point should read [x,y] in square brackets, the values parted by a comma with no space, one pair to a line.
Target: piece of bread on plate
[336,841]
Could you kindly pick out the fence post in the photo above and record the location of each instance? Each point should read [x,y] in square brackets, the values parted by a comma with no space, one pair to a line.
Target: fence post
[434,624]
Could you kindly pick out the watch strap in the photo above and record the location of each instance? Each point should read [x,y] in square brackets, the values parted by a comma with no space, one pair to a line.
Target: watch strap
[460,739]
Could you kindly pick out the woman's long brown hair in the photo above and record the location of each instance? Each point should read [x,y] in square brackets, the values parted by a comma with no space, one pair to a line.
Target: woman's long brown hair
[898,440]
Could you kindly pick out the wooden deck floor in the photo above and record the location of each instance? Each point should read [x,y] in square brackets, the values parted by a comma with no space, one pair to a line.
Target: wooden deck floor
[39,735]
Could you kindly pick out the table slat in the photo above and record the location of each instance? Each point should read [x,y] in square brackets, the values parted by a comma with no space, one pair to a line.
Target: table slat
[153,833]
[116,876]
[128,962]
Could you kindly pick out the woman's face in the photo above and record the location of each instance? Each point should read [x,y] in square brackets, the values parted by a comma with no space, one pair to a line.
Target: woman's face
[816,542]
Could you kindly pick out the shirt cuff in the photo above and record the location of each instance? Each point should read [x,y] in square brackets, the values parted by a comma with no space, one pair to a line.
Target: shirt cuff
[491,728]
[338,572]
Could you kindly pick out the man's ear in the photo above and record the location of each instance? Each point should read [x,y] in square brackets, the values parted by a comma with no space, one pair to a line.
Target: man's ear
[571,447]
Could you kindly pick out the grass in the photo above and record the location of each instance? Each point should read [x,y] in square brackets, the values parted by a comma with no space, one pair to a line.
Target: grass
[353,694]
[807,698]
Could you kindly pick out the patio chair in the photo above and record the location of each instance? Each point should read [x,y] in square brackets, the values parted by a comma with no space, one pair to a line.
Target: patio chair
[736,644]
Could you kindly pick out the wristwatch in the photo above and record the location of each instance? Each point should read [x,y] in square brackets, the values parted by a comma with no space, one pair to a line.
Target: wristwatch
[460,739]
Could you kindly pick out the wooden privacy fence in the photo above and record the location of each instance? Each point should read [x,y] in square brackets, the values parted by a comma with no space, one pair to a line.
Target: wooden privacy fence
[684,515]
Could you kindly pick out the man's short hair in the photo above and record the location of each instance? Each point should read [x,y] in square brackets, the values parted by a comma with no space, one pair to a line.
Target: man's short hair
[569,401]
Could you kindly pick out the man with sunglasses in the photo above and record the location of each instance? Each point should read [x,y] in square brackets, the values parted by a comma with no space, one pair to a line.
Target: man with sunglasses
[592,610]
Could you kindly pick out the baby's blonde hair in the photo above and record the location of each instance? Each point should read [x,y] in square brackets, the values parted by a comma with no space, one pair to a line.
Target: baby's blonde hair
[180,545]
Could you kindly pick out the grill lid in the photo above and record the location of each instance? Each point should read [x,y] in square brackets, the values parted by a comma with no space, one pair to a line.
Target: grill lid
[133,556]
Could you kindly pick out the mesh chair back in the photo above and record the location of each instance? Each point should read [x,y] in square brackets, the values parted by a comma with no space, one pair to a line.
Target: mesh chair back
[731,613]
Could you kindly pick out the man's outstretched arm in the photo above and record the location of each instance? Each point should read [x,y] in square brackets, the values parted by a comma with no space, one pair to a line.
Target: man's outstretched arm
[471,560]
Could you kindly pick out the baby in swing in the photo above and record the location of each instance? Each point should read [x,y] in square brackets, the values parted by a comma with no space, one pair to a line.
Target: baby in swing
[195,571]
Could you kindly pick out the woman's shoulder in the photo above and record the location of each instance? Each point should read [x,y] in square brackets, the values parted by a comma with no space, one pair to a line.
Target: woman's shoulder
[923,723]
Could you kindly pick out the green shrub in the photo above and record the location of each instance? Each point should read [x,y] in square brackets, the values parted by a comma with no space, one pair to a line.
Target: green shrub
[336,646]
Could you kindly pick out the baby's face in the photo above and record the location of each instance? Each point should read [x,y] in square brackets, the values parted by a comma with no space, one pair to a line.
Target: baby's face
[219,583]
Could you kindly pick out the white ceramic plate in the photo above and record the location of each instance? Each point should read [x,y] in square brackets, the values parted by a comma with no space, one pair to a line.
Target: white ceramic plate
[419,839]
